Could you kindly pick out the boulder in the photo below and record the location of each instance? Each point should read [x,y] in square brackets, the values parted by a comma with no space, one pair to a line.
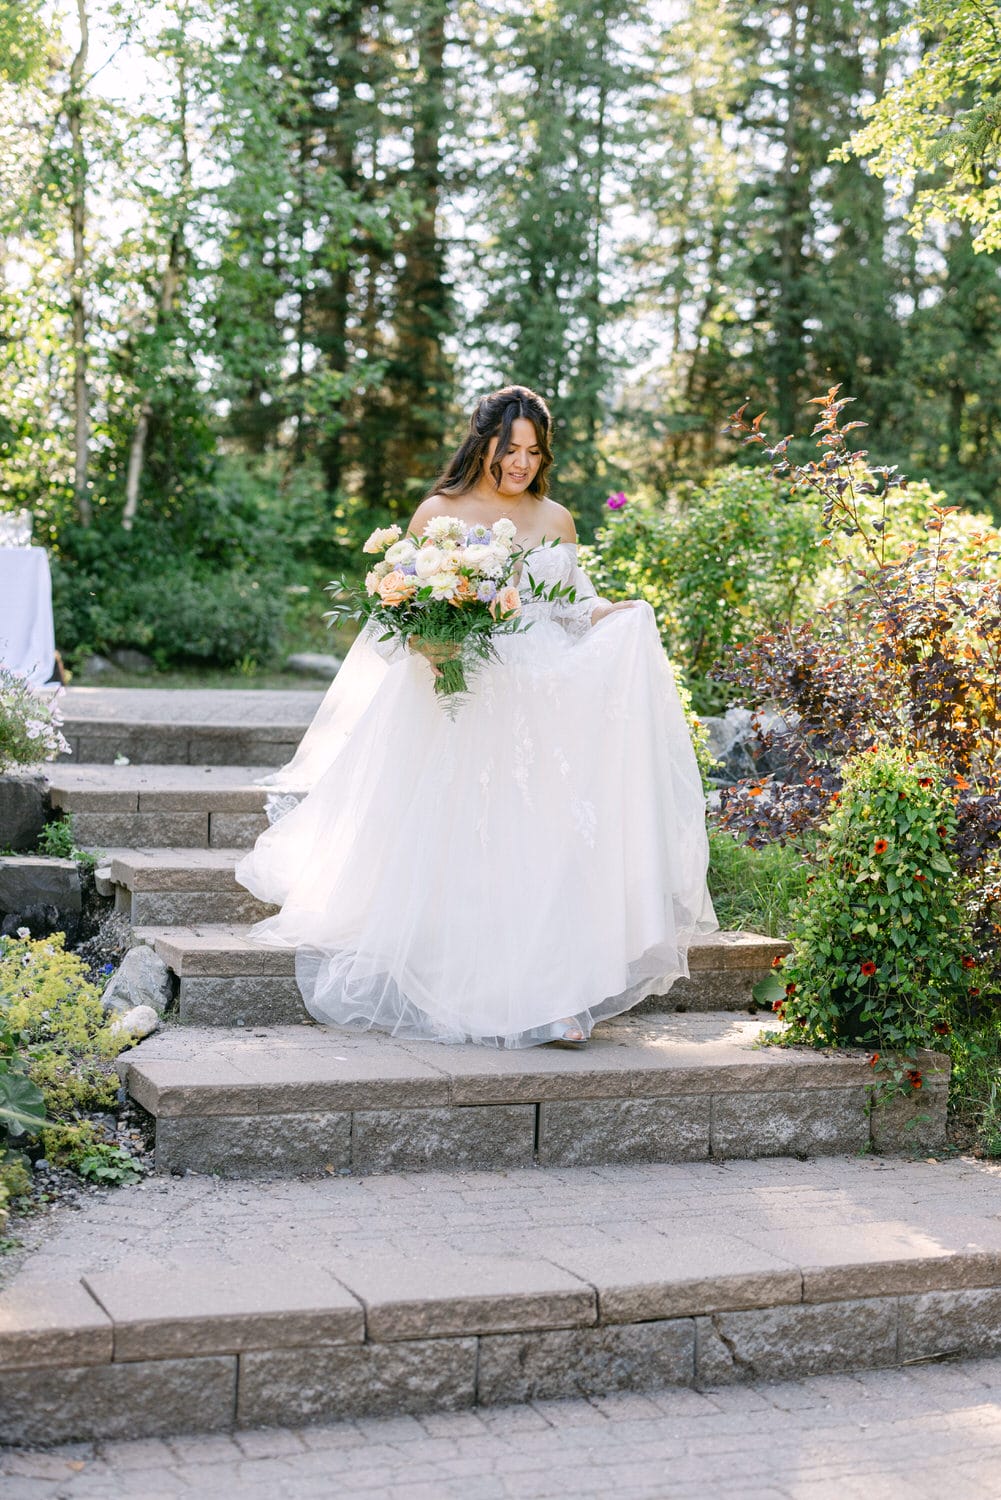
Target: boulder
[130,660]
[96,666]
[23,805]
[142,980]
[40,894]
[314,664]
[140,1021]
[737,742]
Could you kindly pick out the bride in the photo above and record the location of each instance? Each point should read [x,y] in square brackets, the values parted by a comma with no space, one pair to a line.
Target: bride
[514,874]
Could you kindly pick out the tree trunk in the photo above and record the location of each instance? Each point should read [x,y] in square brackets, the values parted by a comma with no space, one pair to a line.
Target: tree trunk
[78,306]
[169,286]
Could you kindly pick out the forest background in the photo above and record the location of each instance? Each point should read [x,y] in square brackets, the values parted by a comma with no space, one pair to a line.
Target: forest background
[259,257]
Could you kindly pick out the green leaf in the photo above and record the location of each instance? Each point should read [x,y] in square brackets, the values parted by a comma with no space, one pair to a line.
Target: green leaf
[22,1105]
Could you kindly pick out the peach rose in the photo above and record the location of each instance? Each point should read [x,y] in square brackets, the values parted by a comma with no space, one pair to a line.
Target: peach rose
[396,587]
[507,602]
[464,589]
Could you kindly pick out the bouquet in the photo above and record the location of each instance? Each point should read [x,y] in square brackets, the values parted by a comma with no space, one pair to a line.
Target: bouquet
[450,589]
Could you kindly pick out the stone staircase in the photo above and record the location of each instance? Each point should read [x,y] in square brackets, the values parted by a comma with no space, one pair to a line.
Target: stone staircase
[245,1093]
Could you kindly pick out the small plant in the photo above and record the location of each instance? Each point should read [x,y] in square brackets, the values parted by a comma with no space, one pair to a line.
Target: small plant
[109,1165]
[60,1050]
[754,890]
[56,839]
[880,944]
[29,724]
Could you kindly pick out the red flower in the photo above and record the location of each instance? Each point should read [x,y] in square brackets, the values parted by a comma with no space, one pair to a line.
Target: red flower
[868,968]
[874,1059]
[801,1021]
[924,781]
[777,961]
[941,831]
[791,988]
[968,962]
[778,1006]
[914,1078]
[902,796]
[941,1028]
[880,846]
[973,990]
[919,876]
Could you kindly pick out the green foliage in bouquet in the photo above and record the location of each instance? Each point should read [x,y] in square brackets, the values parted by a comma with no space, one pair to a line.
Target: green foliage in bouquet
[881,948]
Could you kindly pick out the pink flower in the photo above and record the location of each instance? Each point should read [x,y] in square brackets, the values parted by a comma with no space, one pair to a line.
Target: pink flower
[616,501]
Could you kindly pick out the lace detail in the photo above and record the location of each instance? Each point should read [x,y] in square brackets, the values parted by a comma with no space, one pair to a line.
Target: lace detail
[278,804]
[547,564]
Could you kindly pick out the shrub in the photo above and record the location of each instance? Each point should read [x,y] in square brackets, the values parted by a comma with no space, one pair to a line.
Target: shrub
[29,723]
[62,1044]
[908,655]
[881,949]
[733,557]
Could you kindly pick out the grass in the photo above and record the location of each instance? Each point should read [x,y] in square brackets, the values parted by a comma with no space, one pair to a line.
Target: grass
[753,890]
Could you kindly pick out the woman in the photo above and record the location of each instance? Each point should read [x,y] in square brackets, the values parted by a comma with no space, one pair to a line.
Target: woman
[516,873]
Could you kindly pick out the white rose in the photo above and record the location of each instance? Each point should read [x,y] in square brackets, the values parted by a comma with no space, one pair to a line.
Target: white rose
[495,564]
[401,552]
[382,538]
[445,529]
[504,530]
[475,555]
[429,560]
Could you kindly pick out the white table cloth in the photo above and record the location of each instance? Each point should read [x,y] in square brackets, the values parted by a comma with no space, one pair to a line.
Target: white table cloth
[27,631]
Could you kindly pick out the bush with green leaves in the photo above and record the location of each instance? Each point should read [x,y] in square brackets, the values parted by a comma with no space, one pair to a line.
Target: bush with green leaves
[719,563]
[61,1048]
[881,947]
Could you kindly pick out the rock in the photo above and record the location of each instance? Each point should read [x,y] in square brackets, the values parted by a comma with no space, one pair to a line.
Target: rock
[143,980]
[40,894]
[103,883]
[130,660]
[140,1021]
[314,664]
[737,742]
[23,805]
[96,666]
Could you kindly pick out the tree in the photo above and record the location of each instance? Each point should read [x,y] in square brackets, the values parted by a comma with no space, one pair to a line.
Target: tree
[941,122]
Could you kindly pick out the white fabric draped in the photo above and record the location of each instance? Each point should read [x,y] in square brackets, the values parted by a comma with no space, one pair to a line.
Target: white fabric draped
[541,855]
[27,632]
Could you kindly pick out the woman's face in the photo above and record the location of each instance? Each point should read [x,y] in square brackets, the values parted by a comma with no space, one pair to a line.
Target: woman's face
[520,463]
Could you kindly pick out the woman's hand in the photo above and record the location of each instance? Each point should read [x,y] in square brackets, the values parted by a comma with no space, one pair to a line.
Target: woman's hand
[605,608]
[433,652]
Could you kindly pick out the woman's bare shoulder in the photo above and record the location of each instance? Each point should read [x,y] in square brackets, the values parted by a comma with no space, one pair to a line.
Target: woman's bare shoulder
[559,521]
[434,505]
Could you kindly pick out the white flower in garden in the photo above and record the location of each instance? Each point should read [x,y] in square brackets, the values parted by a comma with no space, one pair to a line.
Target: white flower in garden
[382,538]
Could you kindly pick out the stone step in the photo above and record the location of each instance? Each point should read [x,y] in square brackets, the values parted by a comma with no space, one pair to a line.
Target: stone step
[227,979]
[163,887]
[135,807]
[190,726]
[281,1100]
[199,1305]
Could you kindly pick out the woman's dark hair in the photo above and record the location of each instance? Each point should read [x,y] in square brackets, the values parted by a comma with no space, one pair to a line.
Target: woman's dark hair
[494,416]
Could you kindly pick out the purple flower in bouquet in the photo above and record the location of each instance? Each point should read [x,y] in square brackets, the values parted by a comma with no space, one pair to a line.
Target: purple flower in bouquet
[410,569]
[616,501]
[479,535]
[486,592]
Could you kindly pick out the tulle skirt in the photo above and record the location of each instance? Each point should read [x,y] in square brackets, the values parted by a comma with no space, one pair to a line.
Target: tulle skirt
[539,856]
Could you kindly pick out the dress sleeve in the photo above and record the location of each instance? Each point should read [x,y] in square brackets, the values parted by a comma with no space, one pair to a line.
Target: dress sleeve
[391,651]
[575,615]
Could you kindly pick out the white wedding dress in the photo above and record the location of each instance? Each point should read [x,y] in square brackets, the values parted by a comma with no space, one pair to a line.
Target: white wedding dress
[542,855]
